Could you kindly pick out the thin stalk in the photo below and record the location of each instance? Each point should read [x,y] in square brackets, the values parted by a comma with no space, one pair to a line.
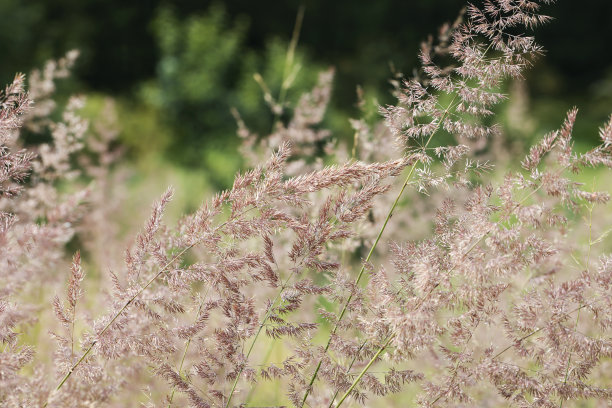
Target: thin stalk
[288,76]
[116,316]
[187,343]
[536,331]
[525,337]
[569,358]
[470,249]
[418,306]
[264,363]
[138,293]
[295,36]
[261,326]
[283,287]
[363,266]
[344,308]
[406,182]
[355,144]
[179,371]
[348,370]
[365,369]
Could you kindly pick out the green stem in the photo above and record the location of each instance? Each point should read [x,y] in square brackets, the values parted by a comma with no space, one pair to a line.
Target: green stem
[345,307]
[138,293]
[470,249]
[331,404]
[116,316]
[380,233]
[264,363]
[295,36]
[187,343]
[365,369]
[418,306]
[569,358]
[261,326]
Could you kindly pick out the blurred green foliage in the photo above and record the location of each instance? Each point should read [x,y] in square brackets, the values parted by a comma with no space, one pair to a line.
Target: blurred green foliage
[198,64]
[204,70]
[177,67]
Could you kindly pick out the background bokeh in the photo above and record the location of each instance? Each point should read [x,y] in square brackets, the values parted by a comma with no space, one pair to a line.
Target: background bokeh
[176,68]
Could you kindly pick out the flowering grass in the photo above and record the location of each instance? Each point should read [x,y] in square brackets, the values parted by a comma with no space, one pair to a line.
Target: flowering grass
[332,274]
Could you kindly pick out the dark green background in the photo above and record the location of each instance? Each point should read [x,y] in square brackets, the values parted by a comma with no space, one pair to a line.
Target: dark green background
[120,52]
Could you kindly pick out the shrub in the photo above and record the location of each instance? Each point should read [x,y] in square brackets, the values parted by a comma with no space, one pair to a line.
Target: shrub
[327,277]
[206,68]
